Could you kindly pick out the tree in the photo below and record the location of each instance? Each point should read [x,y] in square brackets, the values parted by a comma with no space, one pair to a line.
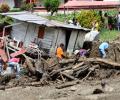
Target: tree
[51,5]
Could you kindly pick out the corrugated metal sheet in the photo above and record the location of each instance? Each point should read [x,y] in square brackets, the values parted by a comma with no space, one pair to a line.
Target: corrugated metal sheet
[33,18]
[76,3]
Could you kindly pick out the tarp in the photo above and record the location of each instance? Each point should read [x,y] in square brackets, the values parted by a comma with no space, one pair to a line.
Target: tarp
[21,51]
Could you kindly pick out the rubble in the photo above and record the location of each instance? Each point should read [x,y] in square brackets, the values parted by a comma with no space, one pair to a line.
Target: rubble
[67,72]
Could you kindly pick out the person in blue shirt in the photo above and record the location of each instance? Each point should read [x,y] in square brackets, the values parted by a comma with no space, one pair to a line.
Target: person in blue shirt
[103,48]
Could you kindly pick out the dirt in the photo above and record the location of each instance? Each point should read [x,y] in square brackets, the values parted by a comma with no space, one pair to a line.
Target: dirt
[82,91]
[113,51]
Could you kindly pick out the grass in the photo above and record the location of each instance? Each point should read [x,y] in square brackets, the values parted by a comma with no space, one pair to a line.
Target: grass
[109,35]
[61,17]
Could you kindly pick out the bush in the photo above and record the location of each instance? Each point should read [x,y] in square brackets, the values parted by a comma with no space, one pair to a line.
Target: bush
[87,17]
[28,6]
[51,5]
[4,8]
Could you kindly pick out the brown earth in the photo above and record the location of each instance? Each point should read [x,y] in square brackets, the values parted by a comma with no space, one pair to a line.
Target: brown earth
[82,91]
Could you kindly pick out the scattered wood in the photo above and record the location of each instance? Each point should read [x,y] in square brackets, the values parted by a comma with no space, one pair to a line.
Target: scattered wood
[68,84]
[68,76]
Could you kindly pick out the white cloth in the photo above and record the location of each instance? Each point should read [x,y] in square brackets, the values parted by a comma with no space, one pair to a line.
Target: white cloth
[119,18]
[91,35]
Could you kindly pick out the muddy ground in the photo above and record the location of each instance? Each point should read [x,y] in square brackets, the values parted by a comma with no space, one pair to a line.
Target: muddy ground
[82,91]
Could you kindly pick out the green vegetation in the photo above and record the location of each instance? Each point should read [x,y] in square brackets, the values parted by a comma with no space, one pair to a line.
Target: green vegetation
[15,10]
[108,35]
[51,5]
[61,17]
[87,17]
[28,6]
[5,20]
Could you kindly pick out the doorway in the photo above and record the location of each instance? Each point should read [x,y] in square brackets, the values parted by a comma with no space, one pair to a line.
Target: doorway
[67,38]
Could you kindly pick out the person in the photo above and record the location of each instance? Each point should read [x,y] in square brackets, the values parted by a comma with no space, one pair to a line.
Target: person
[118,21]
[103,48]
[81,52]
[93,35]
[95,25]
[106,20]
[60,52]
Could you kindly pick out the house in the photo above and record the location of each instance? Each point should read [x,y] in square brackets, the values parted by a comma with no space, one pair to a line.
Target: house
[79,4]
[48,33]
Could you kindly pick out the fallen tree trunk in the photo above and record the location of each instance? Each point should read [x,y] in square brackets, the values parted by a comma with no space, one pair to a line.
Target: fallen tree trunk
[102,61]
[95,60]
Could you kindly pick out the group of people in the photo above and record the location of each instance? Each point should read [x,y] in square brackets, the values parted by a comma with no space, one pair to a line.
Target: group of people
[91,36]
[103,49]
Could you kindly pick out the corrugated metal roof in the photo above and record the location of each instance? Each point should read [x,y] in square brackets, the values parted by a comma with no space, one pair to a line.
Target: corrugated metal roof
[91,4]
[33,18]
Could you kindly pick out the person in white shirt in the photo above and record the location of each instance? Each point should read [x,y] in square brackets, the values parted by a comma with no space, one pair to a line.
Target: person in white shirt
[118,21]
[93,35]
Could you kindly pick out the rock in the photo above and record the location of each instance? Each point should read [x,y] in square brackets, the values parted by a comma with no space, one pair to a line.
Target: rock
[73,88]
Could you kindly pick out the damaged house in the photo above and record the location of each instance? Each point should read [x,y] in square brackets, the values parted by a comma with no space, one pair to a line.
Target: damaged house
[46,33]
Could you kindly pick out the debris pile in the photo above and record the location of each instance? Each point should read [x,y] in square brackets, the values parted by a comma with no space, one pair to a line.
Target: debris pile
[113,51]
[65,73]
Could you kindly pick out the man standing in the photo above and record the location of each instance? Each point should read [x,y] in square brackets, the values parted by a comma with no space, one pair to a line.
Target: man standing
[103,48]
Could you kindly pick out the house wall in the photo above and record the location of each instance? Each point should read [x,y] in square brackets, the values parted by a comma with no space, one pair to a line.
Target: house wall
[28,32]
[49,37]
[72,41]
[61,37]
[80,39]
[24,32]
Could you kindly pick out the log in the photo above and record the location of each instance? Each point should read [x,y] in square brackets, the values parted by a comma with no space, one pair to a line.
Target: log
[78,65]
[66,61]
[68,84]
[80,68]
[62,77]
[91,70]
[30,65]
[59,70]
[82,71]
[68,76]
[102,61]
[95,60]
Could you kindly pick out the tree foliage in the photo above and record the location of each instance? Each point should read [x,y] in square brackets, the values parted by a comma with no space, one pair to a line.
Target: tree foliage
[87,17]
[51,5]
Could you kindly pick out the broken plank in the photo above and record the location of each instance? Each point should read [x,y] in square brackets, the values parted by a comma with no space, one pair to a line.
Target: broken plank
[68,76]
[68,84]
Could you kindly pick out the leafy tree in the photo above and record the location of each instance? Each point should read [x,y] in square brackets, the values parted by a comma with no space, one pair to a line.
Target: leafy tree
[87,17]
[51,5]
